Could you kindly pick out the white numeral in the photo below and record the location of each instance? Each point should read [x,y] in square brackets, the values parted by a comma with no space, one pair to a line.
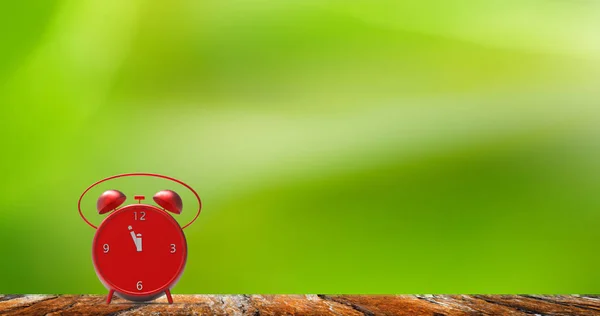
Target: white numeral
[139,286]
[106,248]
[173,248]
[142,216]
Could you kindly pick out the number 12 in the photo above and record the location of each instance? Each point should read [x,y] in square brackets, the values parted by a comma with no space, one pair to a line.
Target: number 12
[142,216]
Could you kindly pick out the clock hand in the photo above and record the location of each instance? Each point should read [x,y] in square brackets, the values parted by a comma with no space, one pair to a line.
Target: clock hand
[138,245]
[136,240]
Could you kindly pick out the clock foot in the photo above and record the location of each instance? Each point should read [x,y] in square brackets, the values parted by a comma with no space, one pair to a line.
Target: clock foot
[169,298]
[110,295]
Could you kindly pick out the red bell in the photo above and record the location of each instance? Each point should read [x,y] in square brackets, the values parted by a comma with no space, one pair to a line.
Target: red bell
[169,200]
[109,201]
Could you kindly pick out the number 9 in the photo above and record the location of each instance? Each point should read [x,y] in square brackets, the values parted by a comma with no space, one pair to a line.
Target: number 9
[106,248]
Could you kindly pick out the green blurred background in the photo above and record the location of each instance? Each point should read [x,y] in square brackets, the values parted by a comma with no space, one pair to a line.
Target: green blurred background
[376,146]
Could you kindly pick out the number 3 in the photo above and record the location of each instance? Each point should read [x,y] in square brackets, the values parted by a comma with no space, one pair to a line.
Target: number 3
[173,248]
[139,286]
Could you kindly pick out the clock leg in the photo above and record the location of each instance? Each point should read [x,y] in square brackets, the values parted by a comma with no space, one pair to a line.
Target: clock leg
[110,295]
[169,298]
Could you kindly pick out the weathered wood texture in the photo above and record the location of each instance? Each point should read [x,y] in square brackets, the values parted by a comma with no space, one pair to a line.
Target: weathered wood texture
[305,305]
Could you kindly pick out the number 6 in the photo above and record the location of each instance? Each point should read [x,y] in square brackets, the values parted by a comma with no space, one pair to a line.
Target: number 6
[139,286]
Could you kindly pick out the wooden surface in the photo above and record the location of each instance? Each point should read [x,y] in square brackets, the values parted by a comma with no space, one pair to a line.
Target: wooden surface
[305,305]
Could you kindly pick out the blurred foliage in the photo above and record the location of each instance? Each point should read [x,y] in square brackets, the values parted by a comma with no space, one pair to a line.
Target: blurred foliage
[339,146]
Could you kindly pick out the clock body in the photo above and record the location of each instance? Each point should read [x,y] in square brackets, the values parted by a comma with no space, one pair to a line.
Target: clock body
[139,251]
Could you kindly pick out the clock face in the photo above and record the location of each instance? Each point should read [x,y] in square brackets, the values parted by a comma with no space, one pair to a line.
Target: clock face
[139,250]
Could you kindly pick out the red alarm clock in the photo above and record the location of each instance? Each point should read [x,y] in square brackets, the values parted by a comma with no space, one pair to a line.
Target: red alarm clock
[139,250]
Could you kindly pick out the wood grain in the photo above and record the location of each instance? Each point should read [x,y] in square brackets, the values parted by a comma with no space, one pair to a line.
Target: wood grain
[435,305]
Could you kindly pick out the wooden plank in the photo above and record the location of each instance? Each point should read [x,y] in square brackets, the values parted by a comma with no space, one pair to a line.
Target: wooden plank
[299,305]
[539,306]
[393,305]
[571,300]
[12,302]
[474,305]
[436,305]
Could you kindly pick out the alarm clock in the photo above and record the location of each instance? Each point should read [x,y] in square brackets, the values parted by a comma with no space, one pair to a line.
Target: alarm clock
[139,250]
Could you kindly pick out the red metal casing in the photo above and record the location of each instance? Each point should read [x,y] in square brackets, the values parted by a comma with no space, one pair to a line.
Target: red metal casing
[169,200]
[139,273]
[110,200]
